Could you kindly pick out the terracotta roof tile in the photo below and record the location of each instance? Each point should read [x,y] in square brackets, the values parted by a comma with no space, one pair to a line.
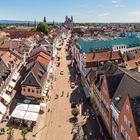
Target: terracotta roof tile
[116,55]
[42,60]
[23,34]
[133,63]
[103,56]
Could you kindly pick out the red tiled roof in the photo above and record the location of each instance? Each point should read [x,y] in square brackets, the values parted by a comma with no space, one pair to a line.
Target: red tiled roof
[42,54]
[52,37]
[133,63]
[22,34]
[103,56]
[42,60]
[116,55]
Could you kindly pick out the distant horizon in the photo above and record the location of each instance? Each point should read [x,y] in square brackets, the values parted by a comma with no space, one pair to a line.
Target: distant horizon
[22,20]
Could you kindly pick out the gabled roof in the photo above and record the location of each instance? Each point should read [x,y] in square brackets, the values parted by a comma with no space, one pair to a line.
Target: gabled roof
[30,80]
[133,63]
[103,56]
[113,76]
[113,82]
[129,85]
[44,41]
[40,57]
[38,74]
[41,54]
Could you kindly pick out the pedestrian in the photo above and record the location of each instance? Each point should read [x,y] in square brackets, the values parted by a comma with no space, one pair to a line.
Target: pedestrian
[90,135]
[67,94]
[62,94]
[49,98]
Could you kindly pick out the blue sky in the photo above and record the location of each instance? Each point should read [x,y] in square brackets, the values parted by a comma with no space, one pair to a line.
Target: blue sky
[82,10]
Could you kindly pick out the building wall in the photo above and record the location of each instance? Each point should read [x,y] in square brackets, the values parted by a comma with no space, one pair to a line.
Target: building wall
[31,91]
[124,49]
[97,98]
[106,113]
[115,122]
[126,122]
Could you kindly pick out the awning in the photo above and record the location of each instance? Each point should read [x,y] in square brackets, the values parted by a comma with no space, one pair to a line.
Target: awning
[51,70]
[18,114]
[46,86]
[31,116]
[23,107]
[1,116]
[2,108]
[6,97]
[12,84]
[26,111]
[44,94]
[43,104]
[34,108]
[45,90]
[86,92]
[15,77]
[10,89]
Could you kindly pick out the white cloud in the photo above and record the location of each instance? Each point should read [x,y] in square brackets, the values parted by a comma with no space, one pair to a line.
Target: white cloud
[104,14]
[119,6]
[115,1]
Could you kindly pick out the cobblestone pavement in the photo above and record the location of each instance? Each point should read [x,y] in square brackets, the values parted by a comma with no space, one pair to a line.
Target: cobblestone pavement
[57,122]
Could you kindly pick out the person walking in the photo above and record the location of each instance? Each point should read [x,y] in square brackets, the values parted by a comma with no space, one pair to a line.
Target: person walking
[62,94]
[67,94]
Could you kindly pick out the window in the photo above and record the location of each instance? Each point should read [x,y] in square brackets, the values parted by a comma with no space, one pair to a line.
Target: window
[127,136]
[37,91]
[130,125]
[127,107]
[33,90]
[125,119]
[122,131]
[28,89]
[24,89]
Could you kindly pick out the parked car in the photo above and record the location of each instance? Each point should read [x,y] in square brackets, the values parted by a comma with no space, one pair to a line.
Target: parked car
[61,72]
[72,85]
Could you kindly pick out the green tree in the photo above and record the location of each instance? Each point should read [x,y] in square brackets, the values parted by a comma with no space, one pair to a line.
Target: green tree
[33,29]
[10,132]
[75,112]
[43,27]
[24,132]
[44,20]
